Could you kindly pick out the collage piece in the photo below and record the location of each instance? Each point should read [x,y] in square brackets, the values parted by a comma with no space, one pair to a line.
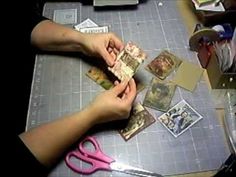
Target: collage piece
[139,119]
[163,64]
[128,62]
[179,118]
[102,79]
[188,75]
[159,95]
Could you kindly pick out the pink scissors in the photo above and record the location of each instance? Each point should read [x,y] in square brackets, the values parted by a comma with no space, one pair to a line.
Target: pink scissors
[100,161]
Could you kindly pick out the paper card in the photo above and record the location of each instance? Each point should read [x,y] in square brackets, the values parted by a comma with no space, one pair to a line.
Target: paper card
[179,118]
[102,79]
[139,119]
[86,24]
[163,64]
[188,75]
[99,29]
[97,75]
[128,62]
[65,16]
[159,95]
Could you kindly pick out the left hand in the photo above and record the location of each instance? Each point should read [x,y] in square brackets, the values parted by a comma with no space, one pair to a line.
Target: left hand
[106,46]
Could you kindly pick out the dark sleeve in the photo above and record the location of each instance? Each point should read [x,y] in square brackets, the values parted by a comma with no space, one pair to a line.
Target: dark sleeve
[36,16]
[27,164]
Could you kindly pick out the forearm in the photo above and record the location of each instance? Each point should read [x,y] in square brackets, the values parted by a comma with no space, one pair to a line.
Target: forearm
[49,141]
[51,36]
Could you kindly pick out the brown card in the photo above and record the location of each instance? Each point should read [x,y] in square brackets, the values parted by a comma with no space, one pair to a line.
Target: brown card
[128,62]
[159,95]
[188,75]
[139,119]
[101,78]
[163,64]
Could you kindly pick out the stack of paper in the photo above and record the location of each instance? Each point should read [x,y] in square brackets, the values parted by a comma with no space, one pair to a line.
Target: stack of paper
[88,26]
[204,2]
[209,5]
[114,2]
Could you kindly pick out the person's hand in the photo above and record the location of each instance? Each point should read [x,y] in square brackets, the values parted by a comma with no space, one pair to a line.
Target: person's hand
[106,46]
[116,103]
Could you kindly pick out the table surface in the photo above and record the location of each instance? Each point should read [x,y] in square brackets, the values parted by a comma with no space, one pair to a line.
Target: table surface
[60,86]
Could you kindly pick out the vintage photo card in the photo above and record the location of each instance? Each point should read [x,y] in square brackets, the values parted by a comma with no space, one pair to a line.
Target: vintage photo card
[179,118]
[128,61]
[100,77]
[139,119]
[159,95]
[103,79]
[163,64]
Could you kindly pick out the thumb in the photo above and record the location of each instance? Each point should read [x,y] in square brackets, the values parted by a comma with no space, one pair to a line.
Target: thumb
[119,88]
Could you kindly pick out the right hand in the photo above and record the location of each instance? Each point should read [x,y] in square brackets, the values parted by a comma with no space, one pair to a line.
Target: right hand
[106,46]
[116,103]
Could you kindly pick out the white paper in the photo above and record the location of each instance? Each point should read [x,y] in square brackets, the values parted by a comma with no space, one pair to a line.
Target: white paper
[179,118]
[211,7]
[100,29]
[86,24]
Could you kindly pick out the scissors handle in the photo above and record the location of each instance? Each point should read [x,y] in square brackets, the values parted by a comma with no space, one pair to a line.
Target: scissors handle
[97,153]
[95,164]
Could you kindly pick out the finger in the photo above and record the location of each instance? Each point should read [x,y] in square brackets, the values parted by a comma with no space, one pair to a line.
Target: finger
[116,51]
[132,91]
[110,49]
[113,55]
[116,42]
[127,89]
[113,52]
[119,88]
[107,57]
[124,96]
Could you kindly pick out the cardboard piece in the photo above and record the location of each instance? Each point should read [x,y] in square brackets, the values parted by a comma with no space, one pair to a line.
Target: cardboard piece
[188,75]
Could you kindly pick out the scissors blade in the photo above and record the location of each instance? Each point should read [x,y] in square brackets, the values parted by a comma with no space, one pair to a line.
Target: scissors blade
[132,170]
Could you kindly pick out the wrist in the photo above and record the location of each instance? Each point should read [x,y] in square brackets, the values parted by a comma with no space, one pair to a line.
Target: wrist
[91,114]
[76,39]
[79,39]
